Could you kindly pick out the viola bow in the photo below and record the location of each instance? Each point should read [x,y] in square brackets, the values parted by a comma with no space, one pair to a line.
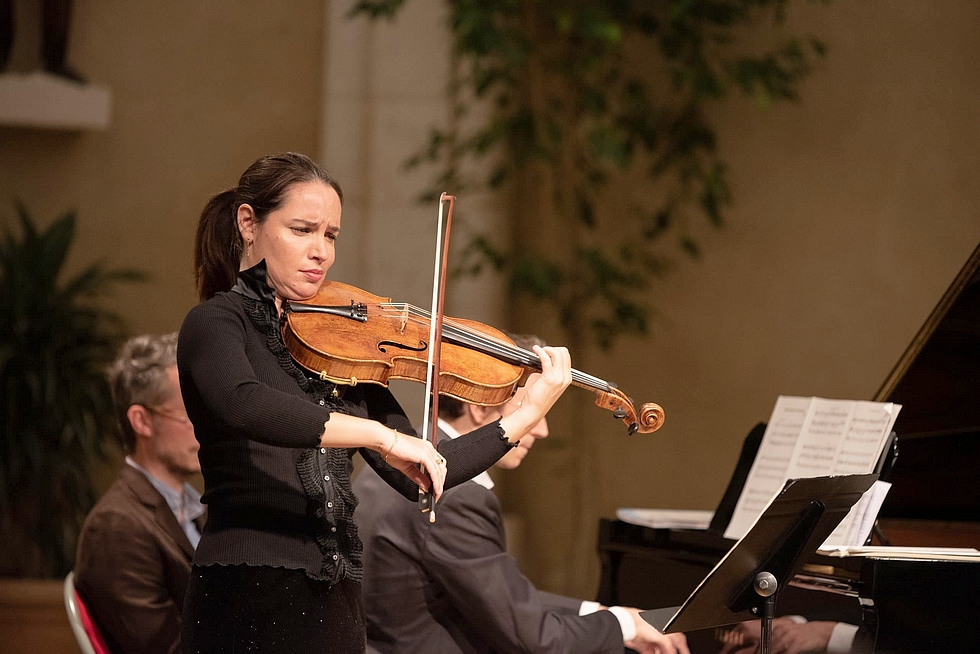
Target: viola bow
[430,421]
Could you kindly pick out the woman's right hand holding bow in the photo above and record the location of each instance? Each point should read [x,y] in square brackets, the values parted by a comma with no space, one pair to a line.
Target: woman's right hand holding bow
[402,452]
[406,453]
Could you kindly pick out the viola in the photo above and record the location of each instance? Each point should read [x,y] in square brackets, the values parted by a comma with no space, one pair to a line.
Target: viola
[350,336]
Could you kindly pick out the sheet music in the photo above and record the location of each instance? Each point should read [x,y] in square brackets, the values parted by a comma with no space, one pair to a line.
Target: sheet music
[865,437]
[856,527]
[824,428]
[881,552]
[666,518]
[768,473]
[875,498]
[814,437]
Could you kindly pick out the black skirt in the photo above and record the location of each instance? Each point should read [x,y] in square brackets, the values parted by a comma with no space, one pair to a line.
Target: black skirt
[233,609]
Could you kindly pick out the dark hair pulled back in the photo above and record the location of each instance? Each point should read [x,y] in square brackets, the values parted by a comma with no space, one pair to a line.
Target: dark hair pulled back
[263,186]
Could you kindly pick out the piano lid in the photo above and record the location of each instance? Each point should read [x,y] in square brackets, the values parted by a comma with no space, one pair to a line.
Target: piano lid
[937,382]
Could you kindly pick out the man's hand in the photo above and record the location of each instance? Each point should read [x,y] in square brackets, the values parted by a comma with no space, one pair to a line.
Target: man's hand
[650,641]
[788,637]
[795,638]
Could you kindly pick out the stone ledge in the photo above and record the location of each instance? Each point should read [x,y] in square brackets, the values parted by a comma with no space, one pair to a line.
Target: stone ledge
[43,101]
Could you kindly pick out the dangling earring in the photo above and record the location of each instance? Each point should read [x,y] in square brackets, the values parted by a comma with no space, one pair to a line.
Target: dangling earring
[248,254]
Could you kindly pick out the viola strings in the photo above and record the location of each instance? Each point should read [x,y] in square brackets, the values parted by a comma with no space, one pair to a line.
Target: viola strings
[487,344]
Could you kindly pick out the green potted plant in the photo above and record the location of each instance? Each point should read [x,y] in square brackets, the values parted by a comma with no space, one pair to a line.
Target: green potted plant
[55,405]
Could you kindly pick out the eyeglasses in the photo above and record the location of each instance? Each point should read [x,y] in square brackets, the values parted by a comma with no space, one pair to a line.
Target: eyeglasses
[174,414]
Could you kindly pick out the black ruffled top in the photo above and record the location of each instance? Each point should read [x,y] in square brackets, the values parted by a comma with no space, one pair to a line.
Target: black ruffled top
[275,497]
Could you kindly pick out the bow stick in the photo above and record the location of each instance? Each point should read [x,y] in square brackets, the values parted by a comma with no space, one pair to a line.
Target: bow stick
[430,421]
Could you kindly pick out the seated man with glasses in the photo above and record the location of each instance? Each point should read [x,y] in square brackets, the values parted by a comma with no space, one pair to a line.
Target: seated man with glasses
[134,554]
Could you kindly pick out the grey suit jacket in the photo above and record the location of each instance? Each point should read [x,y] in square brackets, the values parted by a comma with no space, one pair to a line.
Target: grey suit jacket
[450,587]
[132,567]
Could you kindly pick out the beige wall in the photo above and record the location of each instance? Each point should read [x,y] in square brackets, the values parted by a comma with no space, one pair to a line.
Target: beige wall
[854,209]
[199,91]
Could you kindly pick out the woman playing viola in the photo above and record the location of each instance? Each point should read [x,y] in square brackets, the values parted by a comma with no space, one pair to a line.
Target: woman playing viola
[278,567]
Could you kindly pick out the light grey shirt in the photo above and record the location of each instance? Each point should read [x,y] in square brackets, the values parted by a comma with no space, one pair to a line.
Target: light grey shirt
[186,504]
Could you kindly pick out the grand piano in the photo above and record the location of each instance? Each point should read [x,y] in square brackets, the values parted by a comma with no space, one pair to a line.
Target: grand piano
[900,605]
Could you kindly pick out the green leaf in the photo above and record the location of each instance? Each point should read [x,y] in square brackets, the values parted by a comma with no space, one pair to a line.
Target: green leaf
[818,46]
[376,8]
[537,277]
[480,251]
[56,241]
[607,143]
[586,211]
[30,233]
[498,176]
[95,281]
[715,193]
[690,246]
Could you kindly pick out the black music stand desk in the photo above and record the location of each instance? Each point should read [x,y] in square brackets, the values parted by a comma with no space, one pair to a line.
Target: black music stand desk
[744,584]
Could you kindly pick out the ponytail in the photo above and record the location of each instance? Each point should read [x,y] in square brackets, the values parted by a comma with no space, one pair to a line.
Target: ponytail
[218,246]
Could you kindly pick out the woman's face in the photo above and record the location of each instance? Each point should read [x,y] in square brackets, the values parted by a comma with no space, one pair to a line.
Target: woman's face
[296,240]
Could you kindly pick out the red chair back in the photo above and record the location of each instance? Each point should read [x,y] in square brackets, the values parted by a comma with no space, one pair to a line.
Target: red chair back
[86,631]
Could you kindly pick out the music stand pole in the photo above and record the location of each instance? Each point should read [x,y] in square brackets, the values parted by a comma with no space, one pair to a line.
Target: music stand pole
[765,586]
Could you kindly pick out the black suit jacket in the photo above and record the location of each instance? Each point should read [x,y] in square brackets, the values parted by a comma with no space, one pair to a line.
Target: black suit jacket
[451,587]
[132,566]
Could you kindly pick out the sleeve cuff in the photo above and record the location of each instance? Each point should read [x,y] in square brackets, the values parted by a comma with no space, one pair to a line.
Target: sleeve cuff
[841,638]
[625,622]
[797,619]
[588,607]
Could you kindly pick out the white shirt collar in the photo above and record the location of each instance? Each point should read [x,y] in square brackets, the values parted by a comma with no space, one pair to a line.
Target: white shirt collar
[483,478]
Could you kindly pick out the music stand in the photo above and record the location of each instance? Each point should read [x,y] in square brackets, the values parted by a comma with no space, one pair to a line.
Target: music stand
[746,581]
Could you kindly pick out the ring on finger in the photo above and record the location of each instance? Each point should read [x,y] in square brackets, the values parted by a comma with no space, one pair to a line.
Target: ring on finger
[440,460]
